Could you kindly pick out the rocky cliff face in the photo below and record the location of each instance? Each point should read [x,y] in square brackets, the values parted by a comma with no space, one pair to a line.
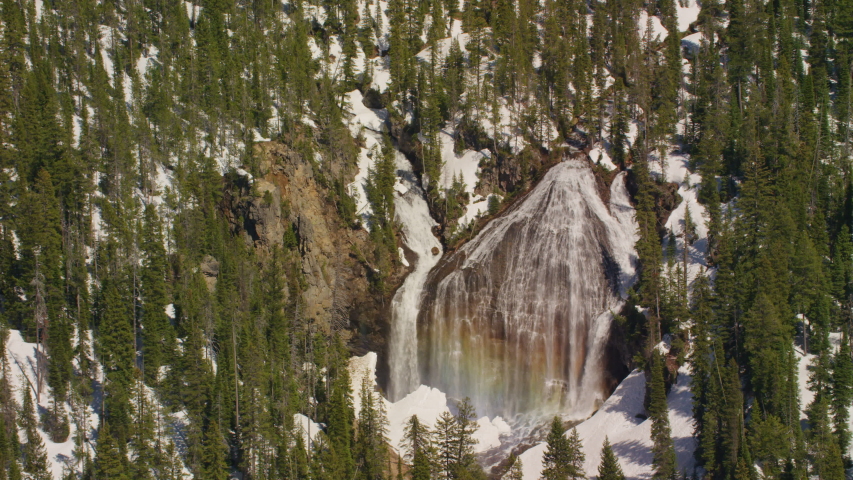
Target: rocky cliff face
[518,319]
[288,204]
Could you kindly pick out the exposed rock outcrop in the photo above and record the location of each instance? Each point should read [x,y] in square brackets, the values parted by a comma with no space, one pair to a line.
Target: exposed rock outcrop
[210,269]
[518,318]
[289,206]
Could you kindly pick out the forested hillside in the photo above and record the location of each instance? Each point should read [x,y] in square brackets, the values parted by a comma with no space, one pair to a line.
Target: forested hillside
[198,225]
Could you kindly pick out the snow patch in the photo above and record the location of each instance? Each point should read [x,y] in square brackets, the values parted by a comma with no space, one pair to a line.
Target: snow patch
[307,428]
[687,12]
[599,156]
[658,31]
[21,357]
[622,420]
[425,402]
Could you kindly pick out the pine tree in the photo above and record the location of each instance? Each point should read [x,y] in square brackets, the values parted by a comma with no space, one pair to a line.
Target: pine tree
[445,428]
[648,246]
[766,340]
[35,455]
[157,332]
[215,448]
[371,436]
[455,442]
[663,451]
[116,338]
[341,419]
[9,453]
[842,265]
[41,255]
[609,468]
[110,463]
[117,355]
[576,456]
[143,432]
[558,457]
[516,471]
[418,448]
[6,452]
[466,427]
[842,392]
[824,452]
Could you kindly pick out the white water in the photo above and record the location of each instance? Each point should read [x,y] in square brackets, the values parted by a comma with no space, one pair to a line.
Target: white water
[518,318]
[412,212]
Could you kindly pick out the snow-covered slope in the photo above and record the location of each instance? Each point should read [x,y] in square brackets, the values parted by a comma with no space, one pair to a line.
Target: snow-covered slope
[674,168]
[622,420]
[805,364]
[21,357]
[425,402]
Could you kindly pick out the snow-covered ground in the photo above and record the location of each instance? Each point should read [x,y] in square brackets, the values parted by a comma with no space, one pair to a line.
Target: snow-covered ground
[622,420]
[598,154]
[804,369]
[445,44]
[655,28]
[425,402]
[370,124]
[687,12]
[307,428]
[464,167]
[21,357]
[674,168]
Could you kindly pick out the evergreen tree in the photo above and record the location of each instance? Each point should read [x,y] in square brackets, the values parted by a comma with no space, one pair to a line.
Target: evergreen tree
[418,448]
[157,332]
[563,457]
[110,463]
[215,449]
[7,455]
[35,455]
[516,470]
[445,428]
[371,437]
[663,451]
[842,392]
[455,442]
[117,355]
[609,468]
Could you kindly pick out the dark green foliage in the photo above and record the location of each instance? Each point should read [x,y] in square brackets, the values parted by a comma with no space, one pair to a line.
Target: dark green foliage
[766,345]
[116,345]
[516,471]
[419,449]
[663,451]
[380,195]
[7,453]
[649,246]
[842,392]
[371,436]
[824,451]
[87,138]
[215,450]
[110,463]
[454,441]
[564,456]
[609,468]
[35,455]
[157,333]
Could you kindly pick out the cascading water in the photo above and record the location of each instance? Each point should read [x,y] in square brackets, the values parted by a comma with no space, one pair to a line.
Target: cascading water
[412,212]
[518,318]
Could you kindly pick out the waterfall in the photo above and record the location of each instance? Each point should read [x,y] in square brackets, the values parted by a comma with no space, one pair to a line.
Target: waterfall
[518,318]
[412,212]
